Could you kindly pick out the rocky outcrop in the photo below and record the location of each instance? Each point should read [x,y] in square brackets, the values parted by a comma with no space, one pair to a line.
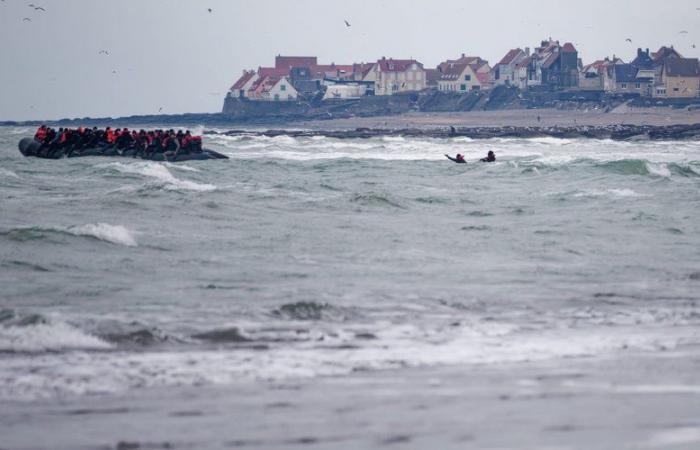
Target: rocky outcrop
[615,132]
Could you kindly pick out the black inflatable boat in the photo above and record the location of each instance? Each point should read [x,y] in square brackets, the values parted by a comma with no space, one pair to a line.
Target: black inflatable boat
[32,147]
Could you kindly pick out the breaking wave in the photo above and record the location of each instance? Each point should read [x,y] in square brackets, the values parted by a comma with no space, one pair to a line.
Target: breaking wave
[161,175]
[113,234]
[34,333]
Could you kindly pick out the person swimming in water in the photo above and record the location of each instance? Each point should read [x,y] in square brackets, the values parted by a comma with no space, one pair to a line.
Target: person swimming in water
[458,159]
[491,157]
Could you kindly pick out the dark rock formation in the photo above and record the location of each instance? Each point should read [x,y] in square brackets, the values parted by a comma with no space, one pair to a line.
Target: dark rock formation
[615,132]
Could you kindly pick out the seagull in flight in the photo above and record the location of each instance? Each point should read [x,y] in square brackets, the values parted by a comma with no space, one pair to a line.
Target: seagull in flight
[160,109]
[347,24]
[103,52]
[209,9]
[683,32]
[39,8]
[26,19]
[628,40]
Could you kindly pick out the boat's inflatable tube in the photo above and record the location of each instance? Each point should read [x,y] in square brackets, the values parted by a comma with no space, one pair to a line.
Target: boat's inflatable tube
[31,147]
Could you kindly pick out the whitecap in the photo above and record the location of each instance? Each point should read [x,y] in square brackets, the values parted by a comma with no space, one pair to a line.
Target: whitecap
[660,170]
[49,336]
[8,173]
[161,173]
[116,234]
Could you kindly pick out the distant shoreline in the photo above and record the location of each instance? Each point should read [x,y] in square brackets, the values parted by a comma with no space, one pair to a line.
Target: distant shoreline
[621,123]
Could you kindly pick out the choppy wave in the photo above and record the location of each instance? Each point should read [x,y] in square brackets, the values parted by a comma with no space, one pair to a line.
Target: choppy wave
[34,333]
[8,173]
[114,234]
[160,174]
[391,348]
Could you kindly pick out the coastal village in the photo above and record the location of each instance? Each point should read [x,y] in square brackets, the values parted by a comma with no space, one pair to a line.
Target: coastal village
[549,67]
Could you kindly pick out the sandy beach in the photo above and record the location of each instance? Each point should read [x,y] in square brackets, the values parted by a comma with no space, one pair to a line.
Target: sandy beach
[625,402]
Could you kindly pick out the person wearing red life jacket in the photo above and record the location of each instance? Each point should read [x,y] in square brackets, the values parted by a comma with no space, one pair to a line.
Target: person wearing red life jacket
[110,136]
[41,134]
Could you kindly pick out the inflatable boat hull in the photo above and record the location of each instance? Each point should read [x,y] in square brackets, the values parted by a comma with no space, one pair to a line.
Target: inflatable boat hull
[30,147]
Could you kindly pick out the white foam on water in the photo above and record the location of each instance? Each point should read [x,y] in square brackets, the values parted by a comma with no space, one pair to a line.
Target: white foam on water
[52,336]
[395,347]
[660,170]
[116,234]
[8,173]
[180,167]
[677,436]
[162,175]
[612,193]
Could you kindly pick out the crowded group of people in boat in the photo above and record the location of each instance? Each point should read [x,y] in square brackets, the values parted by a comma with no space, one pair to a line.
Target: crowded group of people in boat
[140,143]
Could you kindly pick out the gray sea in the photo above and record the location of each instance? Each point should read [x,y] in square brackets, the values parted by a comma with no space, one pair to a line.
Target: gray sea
[353,294]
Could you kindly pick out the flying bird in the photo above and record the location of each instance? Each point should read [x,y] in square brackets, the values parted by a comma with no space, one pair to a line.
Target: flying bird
[160,109]
[347,24]
[103,52]
[27,19]
[628,40]
[209,9]
[693,45]
[114,71]
[39,8]
[683,32]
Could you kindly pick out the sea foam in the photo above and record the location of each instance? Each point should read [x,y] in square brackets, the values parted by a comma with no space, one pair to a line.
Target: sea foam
[115,234]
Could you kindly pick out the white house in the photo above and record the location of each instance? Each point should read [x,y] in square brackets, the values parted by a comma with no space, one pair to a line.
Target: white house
[242,86]
[344,91]
[505,72]
[391,76]
[273,89]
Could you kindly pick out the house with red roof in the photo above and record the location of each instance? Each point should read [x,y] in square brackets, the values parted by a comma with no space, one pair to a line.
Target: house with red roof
[391,76]
[241,87]
[554,66]
[504,72]
[597,76]
[272,88]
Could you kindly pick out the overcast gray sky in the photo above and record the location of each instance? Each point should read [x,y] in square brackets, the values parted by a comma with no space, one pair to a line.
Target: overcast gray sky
[175,55]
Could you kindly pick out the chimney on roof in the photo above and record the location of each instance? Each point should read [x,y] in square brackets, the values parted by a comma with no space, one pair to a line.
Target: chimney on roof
[462,55]
[647,52]
[527,51]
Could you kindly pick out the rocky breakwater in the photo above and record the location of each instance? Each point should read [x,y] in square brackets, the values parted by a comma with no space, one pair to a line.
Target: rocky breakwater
[615,132]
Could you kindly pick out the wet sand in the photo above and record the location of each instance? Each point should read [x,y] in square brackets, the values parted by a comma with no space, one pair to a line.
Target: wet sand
[633,401]
[518,118]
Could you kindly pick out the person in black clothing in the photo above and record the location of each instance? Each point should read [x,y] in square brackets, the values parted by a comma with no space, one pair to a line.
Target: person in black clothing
[458,159]
[491,157]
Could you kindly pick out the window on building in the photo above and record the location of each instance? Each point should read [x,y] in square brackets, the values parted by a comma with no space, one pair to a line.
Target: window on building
[467,78]
[462,87]
[638,85]
[624,86]
[676,89]
[283,87]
